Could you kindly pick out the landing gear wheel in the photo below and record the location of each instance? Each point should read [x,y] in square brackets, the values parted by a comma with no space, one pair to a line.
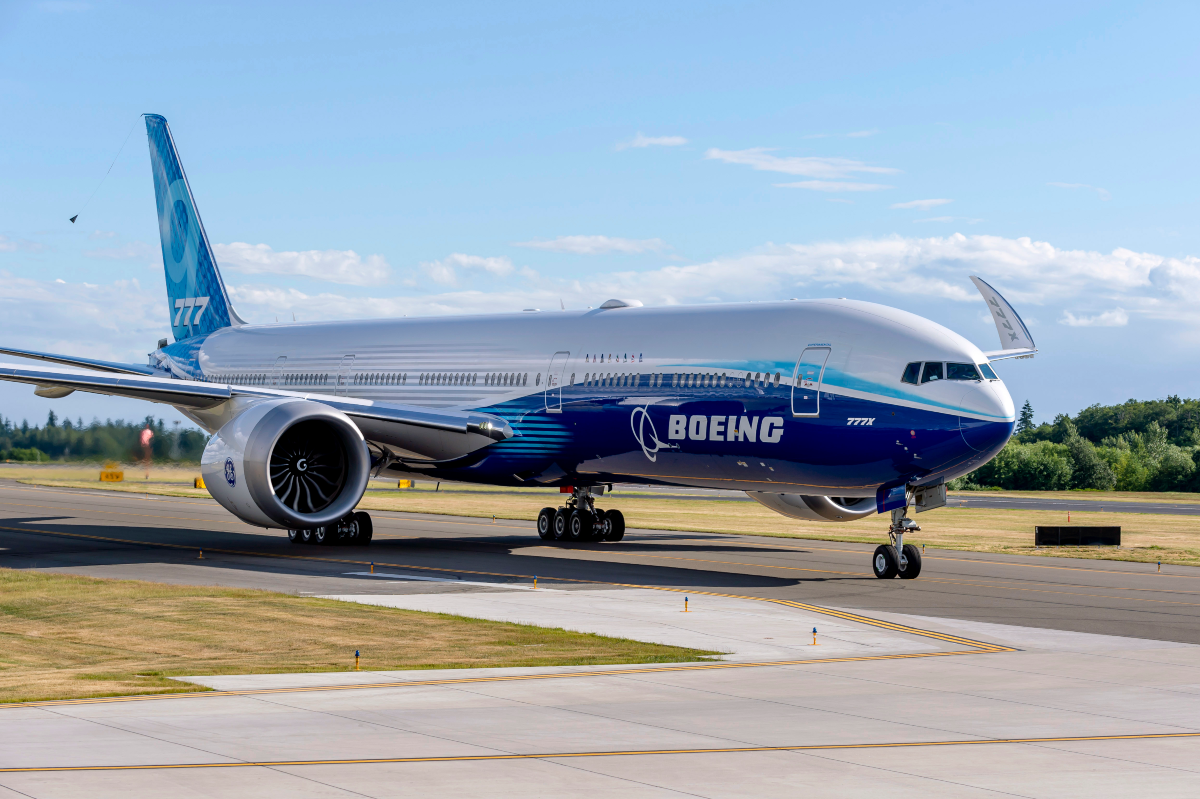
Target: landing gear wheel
[560,524]
[366,528]
[306,536]
[885,563]
[913,568]
[294,537]
[614,525]
[322,536]
[545,524]
[580,526]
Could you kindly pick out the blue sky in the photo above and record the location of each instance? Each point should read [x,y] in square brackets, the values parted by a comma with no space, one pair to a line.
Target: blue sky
[416,159]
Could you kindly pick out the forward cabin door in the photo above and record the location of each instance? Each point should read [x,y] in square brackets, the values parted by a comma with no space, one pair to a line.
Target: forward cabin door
[806,382]
[554,378]
[343,375]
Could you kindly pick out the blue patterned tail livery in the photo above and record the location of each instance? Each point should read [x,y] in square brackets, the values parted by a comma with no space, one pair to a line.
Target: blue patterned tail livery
[196,298]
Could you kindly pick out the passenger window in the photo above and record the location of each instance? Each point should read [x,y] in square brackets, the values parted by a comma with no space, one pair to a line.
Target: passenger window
[912,373]
[987,371]
[961,371]
[933,371]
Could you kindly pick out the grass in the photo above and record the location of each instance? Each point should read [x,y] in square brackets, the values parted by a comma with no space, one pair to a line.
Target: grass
[1146,537]
[64,636]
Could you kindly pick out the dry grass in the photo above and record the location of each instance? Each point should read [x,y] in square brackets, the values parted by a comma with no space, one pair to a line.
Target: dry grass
[1146,537]
[66,636]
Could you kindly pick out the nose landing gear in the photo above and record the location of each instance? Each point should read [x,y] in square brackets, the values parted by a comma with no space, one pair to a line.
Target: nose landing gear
[897,558]
[580,520]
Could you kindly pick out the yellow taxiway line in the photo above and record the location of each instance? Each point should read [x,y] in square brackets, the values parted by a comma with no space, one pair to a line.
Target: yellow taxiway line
[607,753]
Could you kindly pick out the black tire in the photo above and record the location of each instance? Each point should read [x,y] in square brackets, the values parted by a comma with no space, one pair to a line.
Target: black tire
[614,528]
[912,569]
[560,524]
[366,528]
[322,536]
[580,526]
[294,537]
[884,562]
[306,536]
[545,524]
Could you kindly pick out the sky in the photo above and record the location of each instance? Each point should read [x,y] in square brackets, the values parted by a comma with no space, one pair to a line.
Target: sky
[373,160]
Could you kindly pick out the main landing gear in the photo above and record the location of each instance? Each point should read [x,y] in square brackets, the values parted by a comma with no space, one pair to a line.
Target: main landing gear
[898,558]
[354,529]
[581,520]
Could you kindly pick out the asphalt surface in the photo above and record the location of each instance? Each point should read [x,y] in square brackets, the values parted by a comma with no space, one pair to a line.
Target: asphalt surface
[161,538]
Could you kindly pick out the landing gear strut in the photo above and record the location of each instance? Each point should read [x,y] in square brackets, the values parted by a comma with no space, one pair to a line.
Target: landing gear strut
[896,557]
[580,520]
[354,529]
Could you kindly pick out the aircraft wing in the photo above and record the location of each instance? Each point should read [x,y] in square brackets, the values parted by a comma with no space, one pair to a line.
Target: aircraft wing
[428,432]
[1015,340]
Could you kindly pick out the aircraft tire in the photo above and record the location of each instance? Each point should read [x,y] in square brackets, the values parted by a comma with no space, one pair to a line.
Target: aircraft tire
[321,536]
[581,526]
[884,562]
[366,528]
[294,537]
[306,536]
[560,524]
[614,526]
[913,569]
[545,524]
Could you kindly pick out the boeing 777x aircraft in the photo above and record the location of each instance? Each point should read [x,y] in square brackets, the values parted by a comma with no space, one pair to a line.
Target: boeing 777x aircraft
[824,410]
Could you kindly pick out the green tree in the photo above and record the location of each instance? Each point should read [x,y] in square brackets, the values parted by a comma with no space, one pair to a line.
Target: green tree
[1025,420]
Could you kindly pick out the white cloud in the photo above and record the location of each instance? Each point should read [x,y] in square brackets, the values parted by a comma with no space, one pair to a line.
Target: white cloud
[921,205]
[336,266]
[24,245]
[445,271]
[1117,317]
[641,140]
[1103,193]
[832,185]
[861,134]
[595,245]
[966,219]
[760,159]
[102,234]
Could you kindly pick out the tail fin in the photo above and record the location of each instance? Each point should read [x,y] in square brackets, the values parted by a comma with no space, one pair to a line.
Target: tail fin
[196,297]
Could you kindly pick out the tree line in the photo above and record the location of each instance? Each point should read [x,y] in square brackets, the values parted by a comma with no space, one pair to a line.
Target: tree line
[61,440]
[1151,445]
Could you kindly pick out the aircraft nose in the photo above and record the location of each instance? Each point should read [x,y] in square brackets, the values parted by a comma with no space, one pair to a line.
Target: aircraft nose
[991,420]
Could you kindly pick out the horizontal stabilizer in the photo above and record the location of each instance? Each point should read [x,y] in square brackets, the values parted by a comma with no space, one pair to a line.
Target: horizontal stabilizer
[85,363]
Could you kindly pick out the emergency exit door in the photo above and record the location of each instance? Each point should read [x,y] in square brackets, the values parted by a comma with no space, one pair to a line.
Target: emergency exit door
[806,382]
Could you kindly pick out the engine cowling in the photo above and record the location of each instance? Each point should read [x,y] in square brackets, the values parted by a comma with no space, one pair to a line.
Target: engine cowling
[817,508]
[287,463]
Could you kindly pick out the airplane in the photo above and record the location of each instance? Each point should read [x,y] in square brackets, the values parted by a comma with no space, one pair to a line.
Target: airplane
[828,410]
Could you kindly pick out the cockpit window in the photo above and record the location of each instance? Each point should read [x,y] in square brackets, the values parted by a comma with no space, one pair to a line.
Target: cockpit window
[933,371]
[962,371]
[912,373]
[987,371]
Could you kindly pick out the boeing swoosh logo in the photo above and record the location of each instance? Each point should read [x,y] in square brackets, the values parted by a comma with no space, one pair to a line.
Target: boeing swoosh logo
[645,434]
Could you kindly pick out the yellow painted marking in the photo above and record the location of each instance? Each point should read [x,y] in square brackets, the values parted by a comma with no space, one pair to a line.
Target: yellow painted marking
[612,753]
[614,672]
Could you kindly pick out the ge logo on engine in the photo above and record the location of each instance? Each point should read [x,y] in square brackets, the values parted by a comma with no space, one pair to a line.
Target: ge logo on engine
[230,473]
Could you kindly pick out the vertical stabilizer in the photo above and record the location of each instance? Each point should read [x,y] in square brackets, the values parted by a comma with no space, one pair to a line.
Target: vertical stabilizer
[196,298]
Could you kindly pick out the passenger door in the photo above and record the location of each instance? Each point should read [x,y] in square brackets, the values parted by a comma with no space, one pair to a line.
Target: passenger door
[806,382]
[554,376]
[343,375]
[277,374]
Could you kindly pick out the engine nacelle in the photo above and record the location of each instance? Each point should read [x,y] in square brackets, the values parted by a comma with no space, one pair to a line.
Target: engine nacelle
[817,508]
[287,463]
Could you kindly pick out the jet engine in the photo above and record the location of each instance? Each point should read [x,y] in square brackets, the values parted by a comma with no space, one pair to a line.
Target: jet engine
[287,463]
[817,508]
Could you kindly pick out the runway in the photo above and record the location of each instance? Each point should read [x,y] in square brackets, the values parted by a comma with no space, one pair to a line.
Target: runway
[1076,677]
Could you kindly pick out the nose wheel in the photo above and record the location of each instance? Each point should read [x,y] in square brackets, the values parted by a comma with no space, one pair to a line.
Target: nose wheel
[579,520]
[896,558]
